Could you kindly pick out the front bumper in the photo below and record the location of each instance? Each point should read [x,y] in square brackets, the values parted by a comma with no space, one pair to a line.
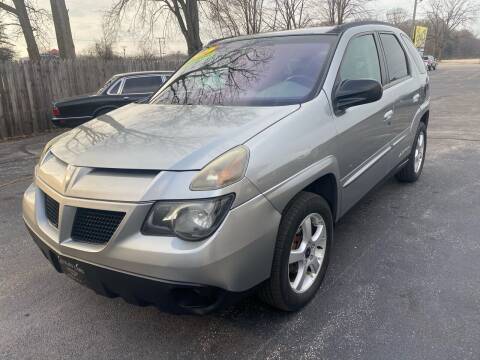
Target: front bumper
[236,258]
[168,296]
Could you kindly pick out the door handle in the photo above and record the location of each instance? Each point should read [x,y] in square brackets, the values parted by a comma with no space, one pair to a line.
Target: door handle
[126,98]
[416,97]
[388,116]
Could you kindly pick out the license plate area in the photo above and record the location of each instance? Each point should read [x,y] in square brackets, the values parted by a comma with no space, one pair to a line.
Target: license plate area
[72,269]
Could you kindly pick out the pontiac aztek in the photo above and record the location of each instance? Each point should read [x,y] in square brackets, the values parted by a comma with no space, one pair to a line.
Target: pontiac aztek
[231,177]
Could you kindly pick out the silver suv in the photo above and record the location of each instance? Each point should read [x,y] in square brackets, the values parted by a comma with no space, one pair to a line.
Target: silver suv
[231,178]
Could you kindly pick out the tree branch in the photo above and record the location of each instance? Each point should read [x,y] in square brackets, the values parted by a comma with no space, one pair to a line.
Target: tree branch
[8,8]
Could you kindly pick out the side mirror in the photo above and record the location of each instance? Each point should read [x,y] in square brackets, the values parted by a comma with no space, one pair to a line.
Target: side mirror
[356,92]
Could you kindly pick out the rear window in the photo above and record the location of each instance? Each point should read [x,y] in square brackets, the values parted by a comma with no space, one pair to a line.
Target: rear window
[257,72]
[395,56]
[142,84]
[414,54]
[114,89]
[107,85]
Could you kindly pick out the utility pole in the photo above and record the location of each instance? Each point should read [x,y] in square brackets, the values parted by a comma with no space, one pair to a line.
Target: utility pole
[62,29]
[160,39]
[413,18]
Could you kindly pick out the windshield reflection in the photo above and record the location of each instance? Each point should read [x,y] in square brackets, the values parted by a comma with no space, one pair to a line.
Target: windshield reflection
[265,71]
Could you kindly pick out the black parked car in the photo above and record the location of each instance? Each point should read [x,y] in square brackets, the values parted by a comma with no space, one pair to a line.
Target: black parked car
[120,90]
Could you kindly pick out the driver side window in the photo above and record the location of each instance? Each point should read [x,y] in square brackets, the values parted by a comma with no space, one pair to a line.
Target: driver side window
[360,61]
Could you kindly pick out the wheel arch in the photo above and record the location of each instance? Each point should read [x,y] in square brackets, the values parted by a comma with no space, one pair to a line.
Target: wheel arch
[101,109]
[321,178]
[425,118]
[326,186]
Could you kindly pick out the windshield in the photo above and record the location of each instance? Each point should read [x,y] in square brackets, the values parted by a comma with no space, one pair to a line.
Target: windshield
[263,72]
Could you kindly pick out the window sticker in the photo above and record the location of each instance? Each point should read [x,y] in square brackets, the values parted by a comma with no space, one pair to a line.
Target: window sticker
[204,54]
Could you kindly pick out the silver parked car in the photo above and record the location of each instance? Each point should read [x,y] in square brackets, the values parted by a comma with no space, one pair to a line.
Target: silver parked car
[231,178]
[430,62]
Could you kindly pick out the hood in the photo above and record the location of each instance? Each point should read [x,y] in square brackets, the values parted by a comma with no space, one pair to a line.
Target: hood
[164,137]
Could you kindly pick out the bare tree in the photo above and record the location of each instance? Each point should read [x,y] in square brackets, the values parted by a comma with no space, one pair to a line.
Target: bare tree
[290,14]
[237,17]
[6,51]
[185,12]
[18,10]
[397,16]
[446,16]
[63,31]
[103,47]
[337,11]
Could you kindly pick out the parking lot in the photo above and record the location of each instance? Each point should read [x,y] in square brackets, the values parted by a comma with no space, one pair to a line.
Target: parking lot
[403,280]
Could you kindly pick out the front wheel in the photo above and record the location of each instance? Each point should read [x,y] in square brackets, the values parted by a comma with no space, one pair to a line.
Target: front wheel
[301,253]
[414,166]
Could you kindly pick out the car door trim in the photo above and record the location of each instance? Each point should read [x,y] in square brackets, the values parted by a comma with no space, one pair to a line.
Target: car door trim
[400,137]
[72,118]
[364,167]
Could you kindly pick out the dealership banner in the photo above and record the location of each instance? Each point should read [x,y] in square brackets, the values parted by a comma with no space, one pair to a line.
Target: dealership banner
[420,36]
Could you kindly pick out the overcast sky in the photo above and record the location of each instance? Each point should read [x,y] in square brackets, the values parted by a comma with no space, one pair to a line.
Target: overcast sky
[86,23]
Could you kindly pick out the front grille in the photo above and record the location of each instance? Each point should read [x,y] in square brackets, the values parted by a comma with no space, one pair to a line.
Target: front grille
[51,210]
[95,226]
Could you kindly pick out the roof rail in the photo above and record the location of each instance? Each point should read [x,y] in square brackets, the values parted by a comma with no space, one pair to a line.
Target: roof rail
[345,26]
[338,29]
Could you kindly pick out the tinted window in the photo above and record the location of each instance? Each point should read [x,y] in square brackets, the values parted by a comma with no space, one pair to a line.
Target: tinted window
[396,58]
[262,72]
[361,60]
[141,85]
[414,54]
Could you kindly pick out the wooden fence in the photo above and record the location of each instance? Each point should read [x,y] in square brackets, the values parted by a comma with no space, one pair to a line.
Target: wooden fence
[27,89]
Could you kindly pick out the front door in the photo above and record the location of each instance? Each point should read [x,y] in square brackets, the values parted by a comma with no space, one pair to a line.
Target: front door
[363,131]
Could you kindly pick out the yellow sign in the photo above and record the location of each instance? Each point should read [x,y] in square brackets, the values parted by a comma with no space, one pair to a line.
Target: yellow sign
[420,36]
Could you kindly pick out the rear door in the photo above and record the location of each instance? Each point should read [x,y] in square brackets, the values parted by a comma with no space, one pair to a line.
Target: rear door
[363,135]
[405,88]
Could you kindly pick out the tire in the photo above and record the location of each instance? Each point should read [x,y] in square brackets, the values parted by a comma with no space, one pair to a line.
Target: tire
[278,291]
[411,172]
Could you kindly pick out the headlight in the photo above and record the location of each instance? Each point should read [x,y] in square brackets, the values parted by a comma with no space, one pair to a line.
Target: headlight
[45,151]
[223,171]
[49,145]
[192,220]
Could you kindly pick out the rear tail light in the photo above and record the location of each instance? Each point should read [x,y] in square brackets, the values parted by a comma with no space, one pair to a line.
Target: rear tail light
[55,111]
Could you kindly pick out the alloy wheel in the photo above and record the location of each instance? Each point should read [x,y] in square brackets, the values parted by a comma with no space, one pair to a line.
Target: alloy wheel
[307,252]
[419,152]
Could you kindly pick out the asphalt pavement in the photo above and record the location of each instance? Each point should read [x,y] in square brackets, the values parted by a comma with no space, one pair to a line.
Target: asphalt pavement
[403,280]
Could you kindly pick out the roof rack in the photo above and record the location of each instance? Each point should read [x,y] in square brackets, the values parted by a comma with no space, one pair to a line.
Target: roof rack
[338,29]
[343,27]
